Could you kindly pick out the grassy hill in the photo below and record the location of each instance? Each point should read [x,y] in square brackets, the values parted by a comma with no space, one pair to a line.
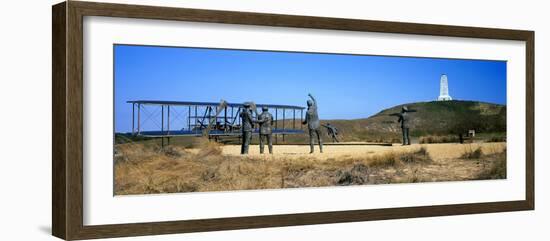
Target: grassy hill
[443,117]
[431,118]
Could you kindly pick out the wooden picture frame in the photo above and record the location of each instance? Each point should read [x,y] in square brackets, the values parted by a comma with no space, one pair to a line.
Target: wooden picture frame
[67,123]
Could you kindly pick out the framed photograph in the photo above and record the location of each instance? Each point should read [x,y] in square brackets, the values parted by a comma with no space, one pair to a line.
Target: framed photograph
[171,120]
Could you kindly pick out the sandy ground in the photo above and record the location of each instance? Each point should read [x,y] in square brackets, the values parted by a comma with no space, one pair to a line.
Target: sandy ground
[436,151]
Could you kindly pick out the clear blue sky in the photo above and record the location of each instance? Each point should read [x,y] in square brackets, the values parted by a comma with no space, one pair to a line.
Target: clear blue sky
[346,86]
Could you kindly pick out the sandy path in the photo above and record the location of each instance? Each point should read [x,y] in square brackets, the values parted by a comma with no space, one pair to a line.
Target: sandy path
[436,151]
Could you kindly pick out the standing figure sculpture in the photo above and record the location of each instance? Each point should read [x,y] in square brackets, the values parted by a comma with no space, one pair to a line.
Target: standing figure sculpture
[404,120]
[312,121]
[265,119]
[247,126]
[332,132]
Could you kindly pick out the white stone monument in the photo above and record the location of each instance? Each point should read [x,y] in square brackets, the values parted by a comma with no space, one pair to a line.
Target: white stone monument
[444,89]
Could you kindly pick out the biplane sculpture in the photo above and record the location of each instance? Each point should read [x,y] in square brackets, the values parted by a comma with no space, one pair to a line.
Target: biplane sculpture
[211,119]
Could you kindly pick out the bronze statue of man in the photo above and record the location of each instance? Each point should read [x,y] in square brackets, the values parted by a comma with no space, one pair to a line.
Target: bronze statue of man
[404,120]
[265,119]
[332,132]
[247,126]
[313,124]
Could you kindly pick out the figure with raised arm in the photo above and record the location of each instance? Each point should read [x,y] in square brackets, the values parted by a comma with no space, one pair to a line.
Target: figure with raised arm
[313,125]
[404,119]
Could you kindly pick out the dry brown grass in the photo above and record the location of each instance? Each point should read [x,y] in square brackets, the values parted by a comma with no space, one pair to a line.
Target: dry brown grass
[142,168]
[497,167]
[472,152]
[152,170]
